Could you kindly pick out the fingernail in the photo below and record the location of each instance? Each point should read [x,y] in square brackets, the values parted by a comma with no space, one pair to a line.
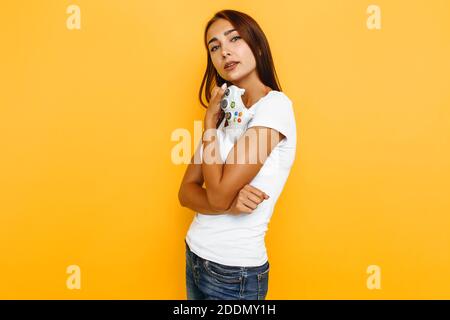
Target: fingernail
[224,85]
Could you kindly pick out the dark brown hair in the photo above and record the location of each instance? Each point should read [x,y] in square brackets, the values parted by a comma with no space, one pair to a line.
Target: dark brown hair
[253,35]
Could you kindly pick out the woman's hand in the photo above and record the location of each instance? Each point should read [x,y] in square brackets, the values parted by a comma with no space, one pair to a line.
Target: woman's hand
[213,112]
[247,200]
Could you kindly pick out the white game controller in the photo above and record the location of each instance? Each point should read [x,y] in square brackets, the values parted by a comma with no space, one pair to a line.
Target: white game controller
[237,115]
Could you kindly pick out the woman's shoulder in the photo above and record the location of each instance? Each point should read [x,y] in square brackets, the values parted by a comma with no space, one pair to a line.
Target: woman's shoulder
[280,96]
[278,101]
[276,112]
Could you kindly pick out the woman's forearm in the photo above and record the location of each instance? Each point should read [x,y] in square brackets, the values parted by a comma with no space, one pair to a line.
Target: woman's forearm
[212,169]
[194,197]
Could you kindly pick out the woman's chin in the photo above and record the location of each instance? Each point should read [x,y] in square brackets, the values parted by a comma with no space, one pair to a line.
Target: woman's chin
[232,78]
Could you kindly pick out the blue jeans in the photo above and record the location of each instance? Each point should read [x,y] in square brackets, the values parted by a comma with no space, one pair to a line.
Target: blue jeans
[208,280]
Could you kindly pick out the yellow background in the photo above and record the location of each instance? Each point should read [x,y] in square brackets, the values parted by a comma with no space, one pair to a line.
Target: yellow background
[86,173]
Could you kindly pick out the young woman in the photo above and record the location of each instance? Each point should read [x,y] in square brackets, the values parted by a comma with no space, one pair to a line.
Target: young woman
[226,256]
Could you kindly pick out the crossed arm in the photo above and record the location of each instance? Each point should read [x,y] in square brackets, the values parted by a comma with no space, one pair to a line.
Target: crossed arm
[191,193]
[223,181]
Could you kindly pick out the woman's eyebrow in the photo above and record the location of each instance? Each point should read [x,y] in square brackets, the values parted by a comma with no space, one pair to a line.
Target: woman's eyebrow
[225,33]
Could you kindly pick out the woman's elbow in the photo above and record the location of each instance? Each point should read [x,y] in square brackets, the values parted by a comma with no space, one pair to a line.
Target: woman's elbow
[181,198]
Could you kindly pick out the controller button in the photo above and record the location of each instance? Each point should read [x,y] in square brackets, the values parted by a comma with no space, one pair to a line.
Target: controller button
[223,103]
[227,92]
[232,104]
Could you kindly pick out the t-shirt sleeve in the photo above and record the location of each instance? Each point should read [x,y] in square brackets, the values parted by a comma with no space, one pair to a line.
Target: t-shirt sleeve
[276,113]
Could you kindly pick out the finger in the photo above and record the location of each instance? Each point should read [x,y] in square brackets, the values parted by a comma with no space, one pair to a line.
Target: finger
[219,91]
[253,197]
[244,208]
[241,208]
[257,192]
[264,195]
[249,203]
[215,91]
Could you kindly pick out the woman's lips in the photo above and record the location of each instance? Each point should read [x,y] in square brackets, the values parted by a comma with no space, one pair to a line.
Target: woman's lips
[232,67]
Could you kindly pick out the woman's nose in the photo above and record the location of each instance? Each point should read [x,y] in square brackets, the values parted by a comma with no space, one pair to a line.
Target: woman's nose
[225,52]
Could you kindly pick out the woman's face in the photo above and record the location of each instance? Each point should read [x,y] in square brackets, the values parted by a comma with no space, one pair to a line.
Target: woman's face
[224,46]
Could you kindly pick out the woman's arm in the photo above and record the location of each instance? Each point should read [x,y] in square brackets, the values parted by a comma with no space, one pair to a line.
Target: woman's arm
[224,180]
[191,193]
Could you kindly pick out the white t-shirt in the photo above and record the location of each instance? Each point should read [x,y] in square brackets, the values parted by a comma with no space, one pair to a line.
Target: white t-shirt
[238,239]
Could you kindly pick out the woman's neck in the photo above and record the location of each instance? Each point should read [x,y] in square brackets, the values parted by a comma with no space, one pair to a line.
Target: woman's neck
[254,93]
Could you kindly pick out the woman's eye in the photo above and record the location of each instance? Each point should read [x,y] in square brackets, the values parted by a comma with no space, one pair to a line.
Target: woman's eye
[235,37]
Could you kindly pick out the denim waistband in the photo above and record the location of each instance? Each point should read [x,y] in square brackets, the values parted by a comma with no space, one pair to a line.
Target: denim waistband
[202,259]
